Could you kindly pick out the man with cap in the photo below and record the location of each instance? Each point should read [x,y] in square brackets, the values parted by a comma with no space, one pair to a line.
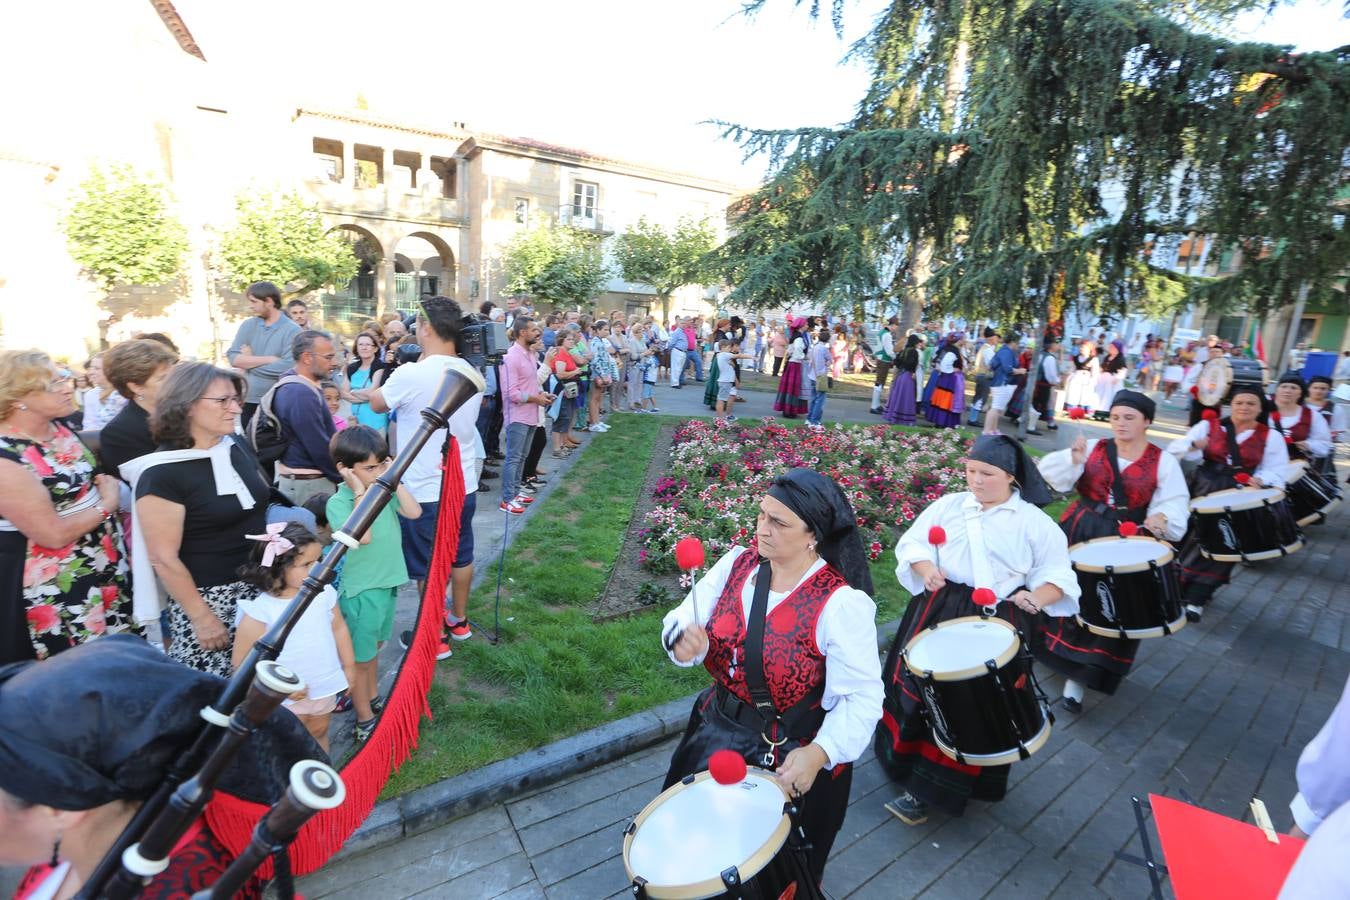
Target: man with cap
[789,622]
[1124,478]
[1242,443]
[86,737]
[992,536]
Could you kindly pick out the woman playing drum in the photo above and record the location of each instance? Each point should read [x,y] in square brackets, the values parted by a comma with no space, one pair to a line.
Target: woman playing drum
[788,623]
[1305,432]
[1122,479]
[1319,401]
[1241,443]
[992,536]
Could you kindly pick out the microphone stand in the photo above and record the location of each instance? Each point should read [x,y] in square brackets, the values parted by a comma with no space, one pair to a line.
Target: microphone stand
[165,815]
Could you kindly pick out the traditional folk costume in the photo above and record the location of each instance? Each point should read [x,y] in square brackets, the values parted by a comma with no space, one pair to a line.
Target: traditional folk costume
[104,722]
[945,394]
[1110,378]
[1333,414]
[1260,452]
[901,406]
[1080,390]
[1111,490]
[790,400]
[1010,547]
[810,652]
[1308,436]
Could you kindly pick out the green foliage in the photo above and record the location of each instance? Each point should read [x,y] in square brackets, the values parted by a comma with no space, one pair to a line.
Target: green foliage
[558,263]
[121,231]
[283,239]
[1042,148]
[648,254]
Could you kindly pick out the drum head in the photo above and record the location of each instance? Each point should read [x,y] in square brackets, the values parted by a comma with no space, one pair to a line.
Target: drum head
[1215,378]
[691,833]
[1122,554]
[1296,469]
[958,648]
[1236,498]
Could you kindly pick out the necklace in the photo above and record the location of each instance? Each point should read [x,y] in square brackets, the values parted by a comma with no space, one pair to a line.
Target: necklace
[20,433]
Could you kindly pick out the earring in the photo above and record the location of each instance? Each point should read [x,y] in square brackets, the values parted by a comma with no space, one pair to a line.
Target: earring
[23,406]
[56,851]
[140,396]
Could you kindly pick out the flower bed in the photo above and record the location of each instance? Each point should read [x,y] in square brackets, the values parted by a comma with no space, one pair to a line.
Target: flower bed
[718,473]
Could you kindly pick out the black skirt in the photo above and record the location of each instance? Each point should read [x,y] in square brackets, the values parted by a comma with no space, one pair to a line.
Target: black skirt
[1200,576]
[1096,660]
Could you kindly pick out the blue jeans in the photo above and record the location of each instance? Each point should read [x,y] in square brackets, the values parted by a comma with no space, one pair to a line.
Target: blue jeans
[816,408]
[696,357]
[518,438]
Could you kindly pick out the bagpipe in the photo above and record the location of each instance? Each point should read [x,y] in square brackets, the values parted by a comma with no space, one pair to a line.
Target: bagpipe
[257,688]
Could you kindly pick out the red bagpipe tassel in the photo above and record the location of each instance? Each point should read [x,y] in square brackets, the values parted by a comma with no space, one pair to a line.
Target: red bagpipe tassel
[395,737]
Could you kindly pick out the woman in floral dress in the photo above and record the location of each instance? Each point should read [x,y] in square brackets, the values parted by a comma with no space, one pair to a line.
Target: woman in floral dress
[63,569]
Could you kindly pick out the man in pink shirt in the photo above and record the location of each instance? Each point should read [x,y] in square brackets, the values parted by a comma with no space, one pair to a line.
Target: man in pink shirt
[522,399]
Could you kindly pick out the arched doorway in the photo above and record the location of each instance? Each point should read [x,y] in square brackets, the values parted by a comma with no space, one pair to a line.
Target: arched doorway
[431,268]
[346,307]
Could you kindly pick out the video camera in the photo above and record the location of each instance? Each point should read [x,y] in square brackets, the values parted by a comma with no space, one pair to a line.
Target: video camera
[480,342]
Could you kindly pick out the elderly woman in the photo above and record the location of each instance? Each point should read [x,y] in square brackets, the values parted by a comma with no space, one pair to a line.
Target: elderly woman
[136,369]
[62,564]
[791,623]
[100,402]
[70,783]
[197,499]
[995,537]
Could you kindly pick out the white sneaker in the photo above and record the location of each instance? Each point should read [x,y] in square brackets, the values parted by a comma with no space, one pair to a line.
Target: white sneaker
[599,426]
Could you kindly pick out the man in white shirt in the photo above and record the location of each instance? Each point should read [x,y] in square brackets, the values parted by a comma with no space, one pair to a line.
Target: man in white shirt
[408,391]
[984,361]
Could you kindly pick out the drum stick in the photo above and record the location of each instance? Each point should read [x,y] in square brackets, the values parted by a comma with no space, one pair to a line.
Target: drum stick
[689,556]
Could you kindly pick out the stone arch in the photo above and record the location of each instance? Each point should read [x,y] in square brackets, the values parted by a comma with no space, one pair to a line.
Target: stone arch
[365,234]
[436,273]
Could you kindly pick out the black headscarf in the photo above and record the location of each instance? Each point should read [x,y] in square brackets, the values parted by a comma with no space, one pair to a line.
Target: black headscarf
[1136,400]
[1003,452]
[1295,379]
[105,721]
[821,504]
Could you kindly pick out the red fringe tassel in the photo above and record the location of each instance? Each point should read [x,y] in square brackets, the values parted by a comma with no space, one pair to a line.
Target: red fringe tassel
[232,820]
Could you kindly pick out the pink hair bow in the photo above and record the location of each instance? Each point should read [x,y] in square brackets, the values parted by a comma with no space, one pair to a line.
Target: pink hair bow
[275,542]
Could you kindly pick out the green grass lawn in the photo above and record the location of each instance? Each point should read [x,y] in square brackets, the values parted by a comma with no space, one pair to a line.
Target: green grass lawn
[556,672]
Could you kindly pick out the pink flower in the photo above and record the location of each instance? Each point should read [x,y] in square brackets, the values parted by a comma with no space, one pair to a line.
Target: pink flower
[34,458]
[40,570]
[109,593]
[43,618]
[110,548]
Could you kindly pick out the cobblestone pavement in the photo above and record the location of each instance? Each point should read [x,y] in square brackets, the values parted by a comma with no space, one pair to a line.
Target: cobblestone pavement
[1218,712]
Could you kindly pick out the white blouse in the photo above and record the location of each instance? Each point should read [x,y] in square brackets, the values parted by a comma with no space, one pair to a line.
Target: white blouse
[846,633]
[947,364]
[1170,497]
[797,352]
[1022,545]
[1273,462]
[1318,442]
[1338,419]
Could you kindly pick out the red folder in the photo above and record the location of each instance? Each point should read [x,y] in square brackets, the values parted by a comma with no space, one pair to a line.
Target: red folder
[1209,855]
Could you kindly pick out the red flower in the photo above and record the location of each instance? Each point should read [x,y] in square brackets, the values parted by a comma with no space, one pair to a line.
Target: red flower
[109,592]
[937,535]
[43,617]
[51,552]
[110,548]
[34,458]
[1128,529]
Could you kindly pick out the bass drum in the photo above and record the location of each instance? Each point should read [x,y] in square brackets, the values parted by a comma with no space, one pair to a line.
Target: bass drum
[1130,587]
[702,839]
[1245,525]
[977,686]
[1311,494]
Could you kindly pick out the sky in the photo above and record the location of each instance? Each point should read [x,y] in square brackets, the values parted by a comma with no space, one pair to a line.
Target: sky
[631,79]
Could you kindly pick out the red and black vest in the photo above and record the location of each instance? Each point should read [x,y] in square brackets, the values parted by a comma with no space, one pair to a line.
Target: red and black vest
[1250,451]
[794,667]
[1140,478]
[1298,432]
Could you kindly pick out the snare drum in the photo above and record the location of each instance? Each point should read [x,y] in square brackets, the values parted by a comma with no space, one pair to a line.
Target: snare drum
[1311,494]
[703,839]
[981,695]
[1245,524]
[1130,587]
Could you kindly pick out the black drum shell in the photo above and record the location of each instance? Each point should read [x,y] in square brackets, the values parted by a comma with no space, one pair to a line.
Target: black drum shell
[970,716]
[1312,496]
[1141,600]
[1258,532]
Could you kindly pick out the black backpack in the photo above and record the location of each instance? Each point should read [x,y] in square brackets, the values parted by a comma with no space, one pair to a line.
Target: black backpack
[266,433]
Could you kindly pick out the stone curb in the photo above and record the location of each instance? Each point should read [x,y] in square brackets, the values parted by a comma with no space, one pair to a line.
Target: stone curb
[500,781]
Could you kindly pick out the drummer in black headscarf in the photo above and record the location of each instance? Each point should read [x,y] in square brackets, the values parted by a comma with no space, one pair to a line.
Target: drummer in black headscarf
[789,621]
[86,736]
[992,536]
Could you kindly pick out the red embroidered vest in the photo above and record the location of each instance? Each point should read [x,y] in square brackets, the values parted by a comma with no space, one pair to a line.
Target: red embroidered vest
[794,667]
[1140,478]
[1299,432]
[1250,451]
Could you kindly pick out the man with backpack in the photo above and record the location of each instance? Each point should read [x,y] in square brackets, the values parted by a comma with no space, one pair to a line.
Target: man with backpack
[294,416]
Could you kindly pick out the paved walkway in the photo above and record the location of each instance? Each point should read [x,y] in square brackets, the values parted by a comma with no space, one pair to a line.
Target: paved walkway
[1219,711]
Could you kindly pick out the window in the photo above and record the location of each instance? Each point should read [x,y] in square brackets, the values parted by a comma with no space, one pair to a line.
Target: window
[406,166]
[522,210]
[369,166]
[584,195]
[327,160]
[446,170]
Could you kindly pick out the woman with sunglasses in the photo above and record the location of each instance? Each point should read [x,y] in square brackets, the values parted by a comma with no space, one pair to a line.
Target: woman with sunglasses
[62,565]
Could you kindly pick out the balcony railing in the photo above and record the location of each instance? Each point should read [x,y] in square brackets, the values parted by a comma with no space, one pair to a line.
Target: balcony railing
[587,218]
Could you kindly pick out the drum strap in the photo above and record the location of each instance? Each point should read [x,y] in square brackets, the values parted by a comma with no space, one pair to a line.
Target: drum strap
[754,645]
[1234,451]
[1117,482]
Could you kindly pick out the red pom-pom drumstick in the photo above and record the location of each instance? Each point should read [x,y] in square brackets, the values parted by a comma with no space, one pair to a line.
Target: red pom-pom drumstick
[1242,478]
[984,597]
[937,536]
[689,553]
[727,767]
[1128,529]
[1210,414]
